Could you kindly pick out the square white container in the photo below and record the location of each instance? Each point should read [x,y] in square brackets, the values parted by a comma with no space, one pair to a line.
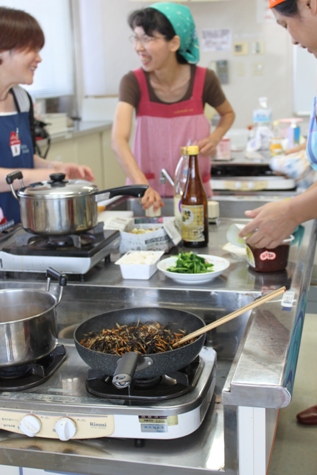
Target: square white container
[140,265]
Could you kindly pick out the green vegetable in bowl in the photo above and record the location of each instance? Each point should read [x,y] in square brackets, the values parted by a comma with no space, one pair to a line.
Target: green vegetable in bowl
[190,263]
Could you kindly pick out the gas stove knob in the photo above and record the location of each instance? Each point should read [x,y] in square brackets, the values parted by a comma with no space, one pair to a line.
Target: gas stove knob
[65,428]
[30,425]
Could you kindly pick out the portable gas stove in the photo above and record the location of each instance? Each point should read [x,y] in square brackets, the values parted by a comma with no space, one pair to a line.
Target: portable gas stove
[65,406]
[21,251]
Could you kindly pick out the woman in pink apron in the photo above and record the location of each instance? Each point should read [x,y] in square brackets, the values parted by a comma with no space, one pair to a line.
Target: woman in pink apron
[168,94]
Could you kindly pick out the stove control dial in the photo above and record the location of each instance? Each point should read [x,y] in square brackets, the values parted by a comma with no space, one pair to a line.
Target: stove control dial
[65,428]
[30,425]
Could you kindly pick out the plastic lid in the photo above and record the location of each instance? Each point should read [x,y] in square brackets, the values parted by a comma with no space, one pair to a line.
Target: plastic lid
[192,150]
[183,150]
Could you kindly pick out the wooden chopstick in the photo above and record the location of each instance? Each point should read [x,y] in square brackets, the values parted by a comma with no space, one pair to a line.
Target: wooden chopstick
[231,316]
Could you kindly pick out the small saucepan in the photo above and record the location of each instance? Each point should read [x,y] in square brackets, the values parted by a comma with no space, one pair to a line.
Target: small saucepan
[59,206]
[124,368]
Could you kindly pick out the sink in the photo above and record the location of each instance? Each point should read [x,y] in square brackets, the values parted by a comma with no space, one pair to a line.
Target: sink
[230,206]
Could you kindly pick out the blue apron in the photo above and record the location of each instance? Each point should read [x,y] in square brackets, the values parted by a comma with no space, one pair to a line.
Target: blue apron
[16,151]
[311,146]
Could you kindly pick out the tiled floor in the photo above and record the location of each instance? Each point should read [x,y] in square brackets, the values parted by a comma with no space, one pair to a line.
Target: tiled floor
[295,449]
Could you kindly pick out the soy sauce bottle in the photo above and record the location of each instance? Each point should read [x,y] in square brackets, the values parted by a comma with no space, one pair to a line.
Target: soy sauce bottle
[194,205]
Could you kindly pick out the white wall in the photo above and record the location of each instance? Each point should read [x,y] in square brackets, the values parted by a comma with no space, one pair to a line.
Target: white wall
[108,54]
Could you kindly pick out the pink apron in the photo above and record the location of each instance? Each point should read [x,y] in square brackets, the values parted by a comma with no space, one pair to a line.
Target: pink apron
[162,129]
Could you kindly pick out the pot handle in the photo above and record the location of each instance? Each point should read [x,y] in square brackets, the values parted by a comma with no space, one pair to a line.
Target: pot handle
[130,190]
[17,175]
[126,367]
[62,280]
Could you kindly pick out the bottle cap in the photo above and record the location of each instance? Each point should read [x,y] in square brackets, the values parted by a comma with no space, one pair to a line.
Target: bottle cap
[183,150]
[193,150]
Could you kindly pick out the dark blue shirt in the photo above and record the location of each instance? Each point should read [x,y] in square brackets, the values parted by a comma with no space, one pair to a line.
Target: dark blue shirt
[16,151]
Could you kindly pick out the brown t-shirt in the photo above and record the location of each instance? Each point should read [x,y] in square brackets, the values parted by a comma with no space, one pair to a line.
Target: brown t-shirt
[213,94]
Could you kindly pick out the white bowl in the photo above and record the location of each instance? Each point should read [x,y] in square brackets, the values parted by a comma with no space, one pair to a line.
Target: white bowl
[139,265]
[219,263]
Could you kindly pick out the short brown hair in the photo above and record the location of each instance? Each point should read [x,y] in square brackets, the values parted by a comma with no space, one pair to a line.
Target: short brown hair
[19,30]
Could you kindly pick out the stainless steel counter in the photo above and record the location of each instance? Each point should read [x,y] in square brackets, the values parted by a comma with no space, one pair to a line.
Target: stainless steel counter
[257,356]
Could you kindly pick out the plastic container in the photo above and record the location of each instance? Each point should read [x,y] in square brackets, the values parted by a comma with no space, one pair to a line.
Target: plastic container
[140,265]
[262,115]
[262,119]
[293,134]
[223,150]
[269,260]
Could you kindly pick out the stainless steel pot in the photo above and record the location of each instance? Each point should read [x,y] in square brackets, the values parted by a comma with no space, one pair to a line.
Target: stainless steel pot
[59,206]
[28,329]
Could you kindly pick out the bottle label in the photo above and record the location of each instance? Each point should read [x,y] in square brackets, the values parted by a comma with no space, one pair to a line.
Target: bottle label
[193,223]
[178,207]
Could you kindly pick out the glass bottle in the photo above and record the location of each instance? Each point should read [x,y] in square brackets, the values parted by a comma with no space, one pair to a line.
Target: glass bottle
[276,142]
[194,204]
[180,178]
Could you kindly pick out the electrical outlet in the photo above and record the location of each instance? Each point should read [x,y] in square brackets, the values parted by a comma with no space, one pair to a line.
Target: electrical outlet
[257,69]
[222,70]
[240,48]
[257,47]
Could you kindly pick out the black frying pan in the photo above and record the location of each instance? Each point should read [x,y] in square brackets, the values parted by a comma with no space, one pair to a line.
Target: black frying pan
[123,368]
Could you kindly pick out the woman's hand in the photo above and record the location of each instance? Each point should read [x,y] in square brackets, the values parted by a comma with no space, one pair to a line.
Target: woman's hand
[271,224]
[151,198]
[207,147]
[72,170]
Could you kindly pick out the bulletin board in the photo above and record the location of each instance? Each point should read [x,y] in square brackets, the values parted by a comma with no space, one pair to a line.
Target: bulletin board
[304,80]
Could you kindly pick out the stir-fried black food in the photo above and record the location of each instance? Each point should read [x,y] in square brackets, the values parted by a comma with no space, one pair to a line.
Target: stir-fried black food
[142,338]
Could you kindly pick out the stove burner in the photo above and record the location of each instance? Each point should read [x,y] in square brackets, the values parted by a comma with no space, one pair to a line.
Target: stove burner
[147,383]
[87,245]
[58,242]
[18,378]
[14,372]
[164,387]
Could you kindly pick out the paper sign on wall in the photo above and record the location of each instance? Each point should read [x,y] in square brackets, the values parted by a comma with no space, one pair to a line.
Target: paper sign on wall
[216,39]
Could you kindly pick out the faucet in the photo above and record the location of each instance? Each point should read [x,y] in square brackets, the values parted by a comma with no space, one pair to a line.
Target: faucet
[166,176]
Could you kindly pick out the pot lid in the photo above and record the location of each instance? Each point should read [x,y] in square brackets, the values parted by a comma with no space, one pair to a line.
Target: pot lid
[58,187]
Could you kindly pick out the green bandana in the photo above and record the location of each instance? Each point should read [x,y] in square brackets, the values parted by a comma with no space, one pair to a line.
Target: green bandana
[182,21]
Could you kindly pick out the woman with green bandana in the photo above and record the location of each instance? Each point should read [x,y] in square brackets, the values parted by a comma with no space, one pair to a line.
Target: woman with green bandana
[168,94]
[275,221]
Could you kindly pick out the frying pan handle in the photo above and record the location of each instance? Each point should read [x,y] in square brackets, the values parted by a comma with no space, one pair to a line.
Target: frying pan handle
[126,367]
[123,375]
[129,190]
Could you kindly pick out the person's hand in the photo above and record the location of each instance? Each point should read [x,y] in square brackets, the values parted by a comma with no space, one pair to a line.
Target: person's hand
[207,147]
[73,171]
[151,198]
[271,224]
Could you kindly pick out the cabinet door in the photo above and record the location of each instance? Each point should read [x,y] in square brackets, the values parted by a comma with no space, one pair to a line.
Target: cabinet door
[89,152]
[112,171]
[64,151]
